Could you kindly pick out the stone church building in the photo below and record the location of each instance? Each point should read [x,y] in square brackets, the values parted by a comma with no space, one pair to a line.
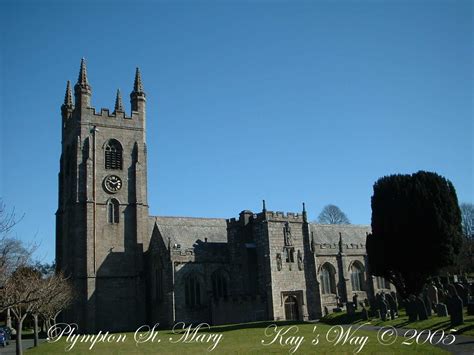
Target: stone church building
[130,268]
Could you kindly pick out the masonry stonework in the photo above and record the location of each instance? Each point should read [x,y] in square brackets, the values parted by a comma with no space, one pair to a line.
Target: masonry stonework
[130,268]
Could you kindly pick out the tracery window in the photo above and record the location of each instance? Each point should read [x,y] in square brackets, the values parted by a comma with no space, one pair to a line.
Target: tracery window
[357,277]
[328,281]
[382,283]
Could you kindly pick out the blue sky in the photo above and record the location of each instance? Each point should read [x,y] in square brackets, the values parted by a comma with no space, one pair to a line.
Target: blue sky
[287,101]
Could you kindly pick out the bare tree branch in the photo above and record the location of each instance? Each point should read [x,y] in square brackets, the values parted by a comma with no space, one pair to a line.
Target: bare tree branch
[332,214]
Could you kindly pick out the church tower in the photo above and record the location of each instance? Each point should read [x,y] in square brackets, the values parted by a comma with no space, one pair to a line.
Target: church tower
[102,214]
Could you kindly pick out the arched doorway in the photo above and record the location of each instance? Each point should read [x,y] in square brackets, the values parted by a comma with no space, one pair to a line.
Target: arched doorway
[291,308]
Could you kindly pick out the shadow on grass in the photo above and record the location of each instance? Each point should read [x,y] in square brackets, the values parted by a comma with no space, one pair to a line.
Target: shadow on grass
[240,326]
[341,318]
[465,329]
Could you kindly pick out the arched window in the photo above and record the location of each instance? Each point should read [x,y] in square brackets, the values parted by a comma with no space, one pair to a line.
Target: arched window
[328,282]
[113,155]
[219,285]
[113,211]
[357,277]
[192,291]
[382,283]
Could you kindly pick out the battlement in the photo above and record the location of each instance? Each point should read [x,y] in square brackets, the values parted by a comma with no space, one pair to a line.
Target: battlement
[277,216]
[280,216]
[105,113]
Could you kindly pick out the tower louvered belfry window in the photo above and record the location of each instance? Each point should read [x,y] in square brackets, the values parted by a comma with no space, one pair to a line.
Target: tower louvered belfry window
[113,155]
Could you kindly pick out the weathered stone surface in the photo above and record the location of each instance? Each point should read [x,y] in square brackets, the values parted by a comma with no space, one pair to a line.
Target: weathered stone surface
[130,268]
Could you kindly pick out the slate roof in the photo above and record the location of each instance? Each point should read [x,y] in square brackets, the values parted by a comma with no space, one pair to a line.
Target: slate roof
[329,233]
[189,232]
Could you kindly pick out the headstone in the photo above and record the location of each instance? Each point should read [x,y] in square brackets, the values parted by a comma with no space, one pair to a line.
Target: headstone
[410,307]
[354,300]
[462,293]
[350,308]
[441,310]
[427,301]
[455,307]
[421,309]
[382,306]
[432,291]
[392,304]
[365,314]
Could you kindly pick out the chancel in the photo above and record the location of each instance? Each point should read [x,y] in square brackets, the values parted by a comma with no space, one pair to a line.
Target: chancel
[130,268]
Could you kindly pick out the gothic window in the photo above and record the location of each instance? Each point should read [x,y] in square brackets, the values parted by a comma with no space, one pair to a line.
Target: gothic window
[219,285]
[290,255]
[113,211]
[192,291]
[381,282]
[328,282]
[113,155]
[357,277]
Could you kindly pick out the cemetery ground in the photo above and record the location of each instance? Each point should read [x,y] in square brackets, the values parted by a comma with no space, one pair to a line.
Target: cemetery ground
[245,338]
[432,323]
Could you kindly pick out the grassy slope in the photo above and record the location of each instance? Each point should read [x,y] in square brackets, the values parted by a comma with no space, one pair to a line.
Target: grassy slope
[242,338]
[433,323]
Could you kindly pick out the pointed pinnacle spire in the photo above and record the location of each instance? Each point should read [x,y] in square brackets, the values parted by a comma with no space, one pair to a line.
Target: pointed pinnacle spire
[118,102]
[264,208]
[138,85]
[82,79]
[305,217]
[68,96]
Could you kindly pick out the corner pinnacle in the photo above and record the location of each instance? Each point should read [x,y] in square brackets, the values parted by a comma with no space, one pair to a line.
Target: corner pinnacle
[118,102]
[82,79]
[138,85]
[68,95]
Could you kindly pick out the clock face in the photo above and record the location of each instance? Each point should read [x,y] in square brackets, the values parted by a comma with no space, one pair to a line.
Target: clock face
[112,183]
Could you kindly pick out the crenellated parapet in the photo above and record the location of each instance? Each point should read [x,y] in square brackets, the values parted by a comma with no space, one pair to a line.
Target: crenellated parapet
[80,111]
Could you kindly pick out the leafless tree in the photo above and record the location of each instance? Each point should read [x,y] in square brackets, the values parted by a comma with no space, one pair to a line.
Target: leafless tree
[22,291]
[13,253]
[7,219]
[57,295]
[332,214]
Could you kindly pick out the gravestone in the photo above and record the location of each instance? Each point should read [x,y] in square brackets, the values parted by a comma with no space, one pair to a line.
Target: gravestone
[428,305]
[350,308]
[462,293]
[432,291]
[455,307]
[354,300]
[421,309]
[365,314]
[392,304]
[410,306]
[382,306]
[441,310]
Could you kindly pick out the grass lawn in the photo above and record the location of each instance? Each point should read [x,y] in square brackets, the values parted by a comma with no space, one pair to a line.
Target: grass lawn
[433,323]
[244,338]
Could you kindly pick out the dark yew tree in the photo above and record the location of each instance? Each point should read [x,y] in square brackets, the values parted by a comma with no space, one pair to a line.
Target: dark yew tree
[416,229]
